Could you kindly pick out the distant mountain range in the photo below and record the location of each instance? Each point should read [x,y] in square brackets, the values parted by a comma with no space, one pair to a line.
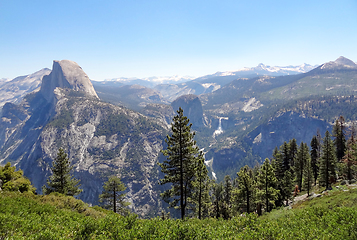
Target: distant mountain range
[171,88]
[146,82]
[13,90]
[261,69]
[239,118]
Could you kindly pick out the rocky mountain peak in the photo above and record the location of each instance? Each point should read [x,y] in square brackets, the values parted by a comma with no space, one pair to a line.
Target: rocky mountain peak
[340,63]
[345,61]
[192,108]
[66,74]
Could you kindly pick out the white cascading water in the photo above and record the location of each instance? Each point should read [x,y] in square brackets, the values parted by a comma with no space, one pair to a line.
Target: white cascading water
[219,129]
[217,132]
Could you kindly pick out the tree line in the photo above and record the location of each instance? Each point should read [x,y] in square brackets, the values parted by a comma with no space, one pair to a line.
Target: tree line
[292,168]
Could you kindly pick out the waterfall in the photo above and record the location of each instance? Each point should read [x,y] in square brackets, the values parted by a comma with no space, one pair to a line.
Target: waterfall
[219,129]
[220,125]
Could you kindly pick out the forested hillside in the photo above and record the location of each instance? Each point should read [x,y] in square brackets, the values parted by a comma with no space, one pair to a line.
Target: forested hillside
[311,183]
[236,127]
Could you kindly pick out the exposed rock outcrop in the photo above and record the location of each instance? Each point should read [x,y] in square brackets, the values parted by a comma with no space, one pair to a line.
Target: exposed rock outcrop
[345,62]
[339,63]
[192,108]
[101,139]
[66,74]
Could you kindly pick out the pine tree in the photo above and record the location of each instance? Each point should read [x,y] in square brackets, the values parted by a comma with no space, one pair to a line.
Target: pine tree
[319,140]
[201,198]
[277,163]
[286,187]
[314,155]
[113,195]
[244,191]
[285,152]
[181,164]
[302,156]
[227,196]
[217,200]
[350,158]
[327,162]
[284,176]
[340,139]
[61,180]
[308,176]
[293,151]
[279,170]
[266,182]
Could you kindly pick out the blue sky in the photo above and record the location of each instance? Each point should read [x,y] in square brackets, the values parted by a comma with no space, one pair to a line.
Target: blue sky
[143,38]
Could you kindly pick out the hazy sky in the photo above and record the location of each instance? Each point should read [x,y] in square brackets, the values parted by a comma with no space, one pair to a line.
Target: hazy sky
[143,38]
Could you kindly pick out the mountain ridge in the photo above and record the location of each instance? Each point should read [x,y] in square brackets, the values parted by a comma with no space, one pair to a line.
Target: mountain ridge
[66,74]
[253,115]
[101,139]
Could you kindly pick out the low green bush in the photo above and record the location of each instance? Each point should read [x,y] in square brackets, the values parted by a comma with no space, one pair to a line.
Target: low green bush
[29,216]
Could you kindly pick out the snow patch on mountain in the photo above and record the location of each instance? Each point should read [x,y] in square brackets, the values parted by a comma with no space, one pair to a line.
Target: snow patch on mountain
[263,69]
[156,80]
[285,69]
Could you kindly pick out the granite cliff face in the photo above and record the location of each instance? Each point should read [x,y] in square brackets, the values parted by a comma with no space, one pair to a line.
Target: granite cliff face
[240,123]
[101,139]
[66,74]
[192,108]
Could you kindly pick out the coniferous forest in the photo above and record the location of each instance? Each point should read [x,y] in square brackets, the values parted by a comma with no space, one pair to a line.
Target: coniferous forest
[304,191]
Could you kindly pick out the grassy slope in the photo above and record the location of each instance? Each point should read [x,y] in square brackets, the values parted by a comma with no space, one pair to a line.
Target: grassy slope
[333,216]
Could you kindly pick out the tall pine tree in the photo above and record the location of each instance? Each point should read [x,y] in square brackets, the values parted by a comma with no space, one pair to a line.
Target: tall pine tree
[314,155]
[327,162]
[285,152]
[293,151]
[308,176]
[302,156]
[217,200]
[340,139]
[245,189]
[266,182]
[284,176]
[286,187]
[200,198]
[227,197]
[181,164]
[61,180]
[350,158]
